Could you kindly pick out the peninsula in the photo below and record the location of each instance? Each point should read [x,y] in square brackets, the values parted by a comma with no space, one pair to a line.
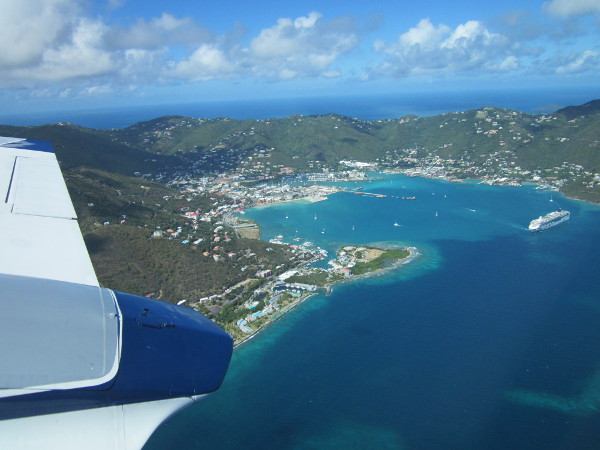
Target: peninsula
[286,291]
[161,203]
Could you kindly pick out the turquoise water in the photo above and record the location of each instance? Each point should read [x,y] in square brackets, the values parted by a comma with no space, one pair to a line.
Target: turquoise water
[490,340]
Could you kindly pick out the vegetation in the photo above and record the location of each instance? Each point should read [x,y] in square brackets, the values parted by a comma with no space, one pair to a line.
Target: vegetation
[119,215]
[173,145]
[317,277]
[133,220]
[386,259]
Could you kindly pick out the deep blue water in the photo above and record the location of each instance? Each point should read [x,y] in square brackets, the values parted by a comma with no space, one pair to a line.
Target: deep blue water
[366,107]
[490,340]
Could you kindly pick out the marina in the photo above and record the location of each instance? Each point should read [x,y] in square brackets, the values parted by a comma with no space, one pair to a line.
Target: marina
[477,327]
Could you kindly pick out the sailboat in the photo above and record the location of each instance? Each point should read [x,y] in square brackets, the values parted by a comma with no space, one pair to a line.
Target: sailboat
[353,228]
[315,216]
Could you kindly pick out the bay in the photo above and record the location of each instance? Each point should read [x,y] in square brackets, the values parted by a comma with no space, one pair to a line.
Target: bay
[489,340]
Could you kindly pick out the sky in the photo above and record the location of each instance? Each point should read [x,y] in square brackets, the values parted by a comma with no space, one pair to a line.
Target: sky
[76,54]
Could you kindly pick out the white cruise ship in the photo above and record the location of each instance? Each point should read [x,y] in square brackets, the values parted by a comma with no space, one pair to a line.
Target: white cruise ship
[549,220]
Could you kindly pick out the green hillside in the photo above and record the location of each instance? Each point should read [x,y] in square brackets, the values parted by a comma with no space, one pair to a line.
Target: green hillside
[173,145]
[119,216]
[132,218]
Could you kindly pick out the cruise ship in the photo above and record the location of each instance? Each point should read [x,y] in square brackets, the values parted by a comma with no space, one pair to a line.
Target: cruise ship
[549,220]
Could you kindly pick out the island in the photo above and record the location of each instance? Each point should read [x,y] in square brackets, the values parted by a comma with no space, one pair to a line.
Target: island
[283,293]
[161,204]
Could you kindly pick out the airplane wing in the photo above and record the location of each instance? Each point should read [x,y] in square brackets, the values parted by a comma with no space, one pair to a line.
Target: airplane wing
[82,366]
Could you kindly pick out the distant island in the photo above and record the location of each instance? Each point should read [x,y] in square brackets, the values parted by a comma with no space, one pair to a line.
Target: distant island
[161,203]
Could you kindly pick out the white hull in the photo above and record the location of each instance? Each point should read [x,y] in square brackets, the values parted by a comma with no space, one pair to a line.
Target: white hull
[549,220]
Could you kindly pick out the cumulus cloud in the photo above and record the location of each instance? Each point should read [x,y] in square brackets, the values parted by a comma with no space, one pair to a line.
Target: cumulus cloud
[28,29]
[305,46]
[205,63]
[575,63]
[62,44]
[57,46]
[292,48]
[80,56]
[427,48]
[159,32]
[566,8]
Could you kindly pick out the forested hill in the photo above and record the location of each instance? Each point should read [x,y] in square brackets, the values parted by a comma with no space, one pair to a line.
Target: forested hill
[536,140]
[570,135]
[118,180]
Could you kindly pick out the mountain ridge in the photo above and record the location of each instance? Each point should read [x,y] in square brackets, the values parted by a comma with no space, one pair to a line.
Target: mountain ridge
[121,180]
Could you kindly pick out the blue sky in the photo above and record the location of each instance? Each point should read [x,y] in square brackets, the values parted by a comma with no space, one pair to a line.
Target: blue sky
[76,54]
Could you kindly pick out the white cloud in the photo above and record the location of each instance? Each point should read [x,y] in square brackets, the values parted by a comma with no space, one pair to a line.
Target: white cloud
[99,90]
[302,47]
[566,8]
[48,42]
[429,49]
[580,63]
[158,33]
[55,46]
[83,56]
[29,28]
[65,93]
[332,74]
[508,64]
[424,35]
[207,62]
[292,48]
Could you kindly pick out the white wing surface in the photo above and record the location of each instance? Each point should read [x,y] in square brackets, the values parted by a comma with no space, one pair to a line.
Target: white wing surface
[39,234]
[82,366]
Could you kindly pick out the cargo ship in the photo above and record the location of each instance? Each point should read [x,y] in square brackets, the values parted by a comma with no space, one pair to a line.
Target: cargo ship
[549,220]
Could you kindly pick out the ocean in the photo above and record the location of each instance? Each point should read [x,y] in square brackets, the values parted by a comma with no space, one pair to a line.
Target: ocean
[365,107]
[489,340]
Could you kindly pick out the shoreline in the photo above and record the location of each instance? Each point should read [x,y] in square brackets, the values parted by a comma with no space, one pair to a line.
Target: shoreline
[329,286]
[497,182]
[280,315]
[413,254]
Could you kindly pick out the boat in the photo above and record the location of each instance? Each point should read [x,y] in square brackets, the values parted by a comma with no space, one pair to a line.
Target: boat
[549,220]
